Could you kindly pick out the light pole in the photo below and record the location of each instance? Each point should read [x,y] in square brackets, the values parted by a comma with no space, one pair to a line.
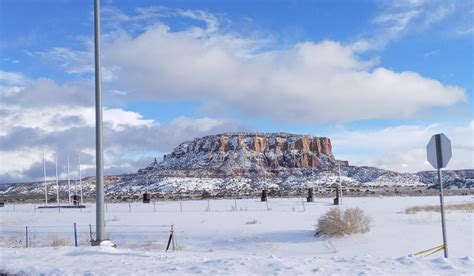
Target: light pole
[99,158]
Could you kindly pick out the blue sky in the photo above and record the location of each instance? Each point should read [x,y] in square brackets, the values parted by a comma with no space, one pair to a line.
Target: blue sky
[378,77]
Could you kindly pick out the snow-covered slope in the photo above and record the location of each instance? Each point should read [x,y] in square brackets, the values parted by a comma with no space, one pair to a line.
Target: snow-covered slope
[243,163]
[237,237]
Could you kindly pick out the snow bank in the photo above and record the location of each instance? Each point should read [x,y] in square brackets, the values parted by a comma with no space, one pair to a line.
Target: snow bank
[222,241]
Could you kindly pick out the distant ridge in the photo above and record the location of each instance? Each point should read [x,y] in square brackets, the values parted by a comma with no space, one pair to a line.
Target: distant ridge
[244,162]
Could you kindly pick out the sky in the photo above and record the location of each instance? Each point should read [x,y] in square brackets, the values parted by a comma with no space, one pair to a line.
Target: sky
[377,77]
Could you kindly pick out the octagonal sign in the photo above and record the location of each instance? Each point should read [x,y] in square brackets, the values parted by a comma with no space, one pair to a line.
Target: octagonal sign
[439,151]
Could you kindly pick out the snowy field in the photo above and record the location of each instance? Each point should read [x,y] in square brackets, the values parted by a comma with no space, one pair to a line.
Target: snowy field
[228,237]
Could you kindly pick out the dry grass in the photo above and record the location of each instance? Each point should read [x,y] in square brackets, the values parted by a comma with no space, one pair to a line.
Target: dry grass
[337,223]
[11,241]
[57,241]
[465,206]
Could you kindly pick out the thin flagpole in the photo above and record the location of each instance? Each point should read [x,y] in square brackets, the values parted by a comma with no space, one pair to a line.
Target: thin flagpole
[57,181]
[45,184]
[75,189]
[80,178]
[68,181]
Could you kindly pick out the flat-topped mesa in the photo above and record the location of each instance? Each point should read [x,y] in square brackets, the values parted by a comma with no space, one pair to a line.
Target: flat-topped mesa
[250,152]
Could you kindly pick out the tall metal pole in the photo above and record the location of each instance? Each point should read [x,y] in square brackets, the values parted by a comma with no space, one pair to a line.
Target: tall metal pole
[441,197]
[99,158]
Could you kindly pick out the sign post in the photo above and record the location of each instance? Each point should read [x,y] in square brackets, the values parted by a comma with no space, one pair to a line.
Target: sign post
[439,153]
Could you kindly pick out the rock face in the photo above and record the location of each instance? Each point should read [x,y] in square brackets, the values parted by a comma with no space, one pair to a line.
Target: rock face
[243,163]
[246,154]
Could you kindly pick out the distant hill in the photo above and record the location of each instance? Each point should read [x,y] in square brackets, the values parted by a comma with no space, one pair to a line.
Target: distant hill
[239,163]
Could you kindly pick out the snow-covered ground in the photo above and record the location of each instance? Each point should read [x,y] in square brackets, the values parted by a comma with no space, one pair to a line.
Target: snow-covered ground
[236,237]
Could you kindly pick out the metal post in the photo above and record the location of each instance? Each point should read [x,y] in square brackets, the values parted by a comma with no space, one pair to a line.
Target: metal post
[99,158]
[443,222]
[75,235]
[441,197]
[27,237]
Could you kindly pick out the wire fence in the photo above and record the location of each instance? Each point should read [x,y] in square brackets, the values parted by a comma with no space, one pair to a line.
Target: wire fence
[149,237]
[156,206]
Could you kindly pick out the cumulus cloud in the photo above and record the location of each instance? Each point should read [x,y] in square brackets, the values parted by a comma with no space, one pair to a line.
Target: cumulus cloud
[311,82]
[60,119]
[403,148]
[145,58]
[307,82]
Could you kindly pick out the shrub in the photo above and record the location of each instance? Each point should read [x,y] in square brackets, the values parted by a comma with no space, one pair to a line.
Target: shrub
[57,241]
[337,223]
[465,206]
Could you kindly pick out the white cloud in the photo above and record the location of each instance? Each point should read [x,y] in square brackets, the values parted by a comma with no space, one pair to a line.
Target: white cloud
[12,78]
[305,82]
[14,162]
[398,18]
[60,119]
[310,82]
[403,148]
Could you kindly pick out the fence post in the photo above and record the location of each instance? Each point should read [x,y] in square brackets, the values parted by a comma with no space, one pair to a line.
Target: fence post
[181,205]
[34,208]
[208,206]
[304,208]
[27,237]
[90,232]
[235,203]
[170,238]
[75,235]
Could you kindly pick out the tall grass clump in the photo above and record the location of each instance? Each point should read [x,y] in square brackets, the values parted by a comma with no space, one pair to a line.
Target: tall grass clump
[338,223]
